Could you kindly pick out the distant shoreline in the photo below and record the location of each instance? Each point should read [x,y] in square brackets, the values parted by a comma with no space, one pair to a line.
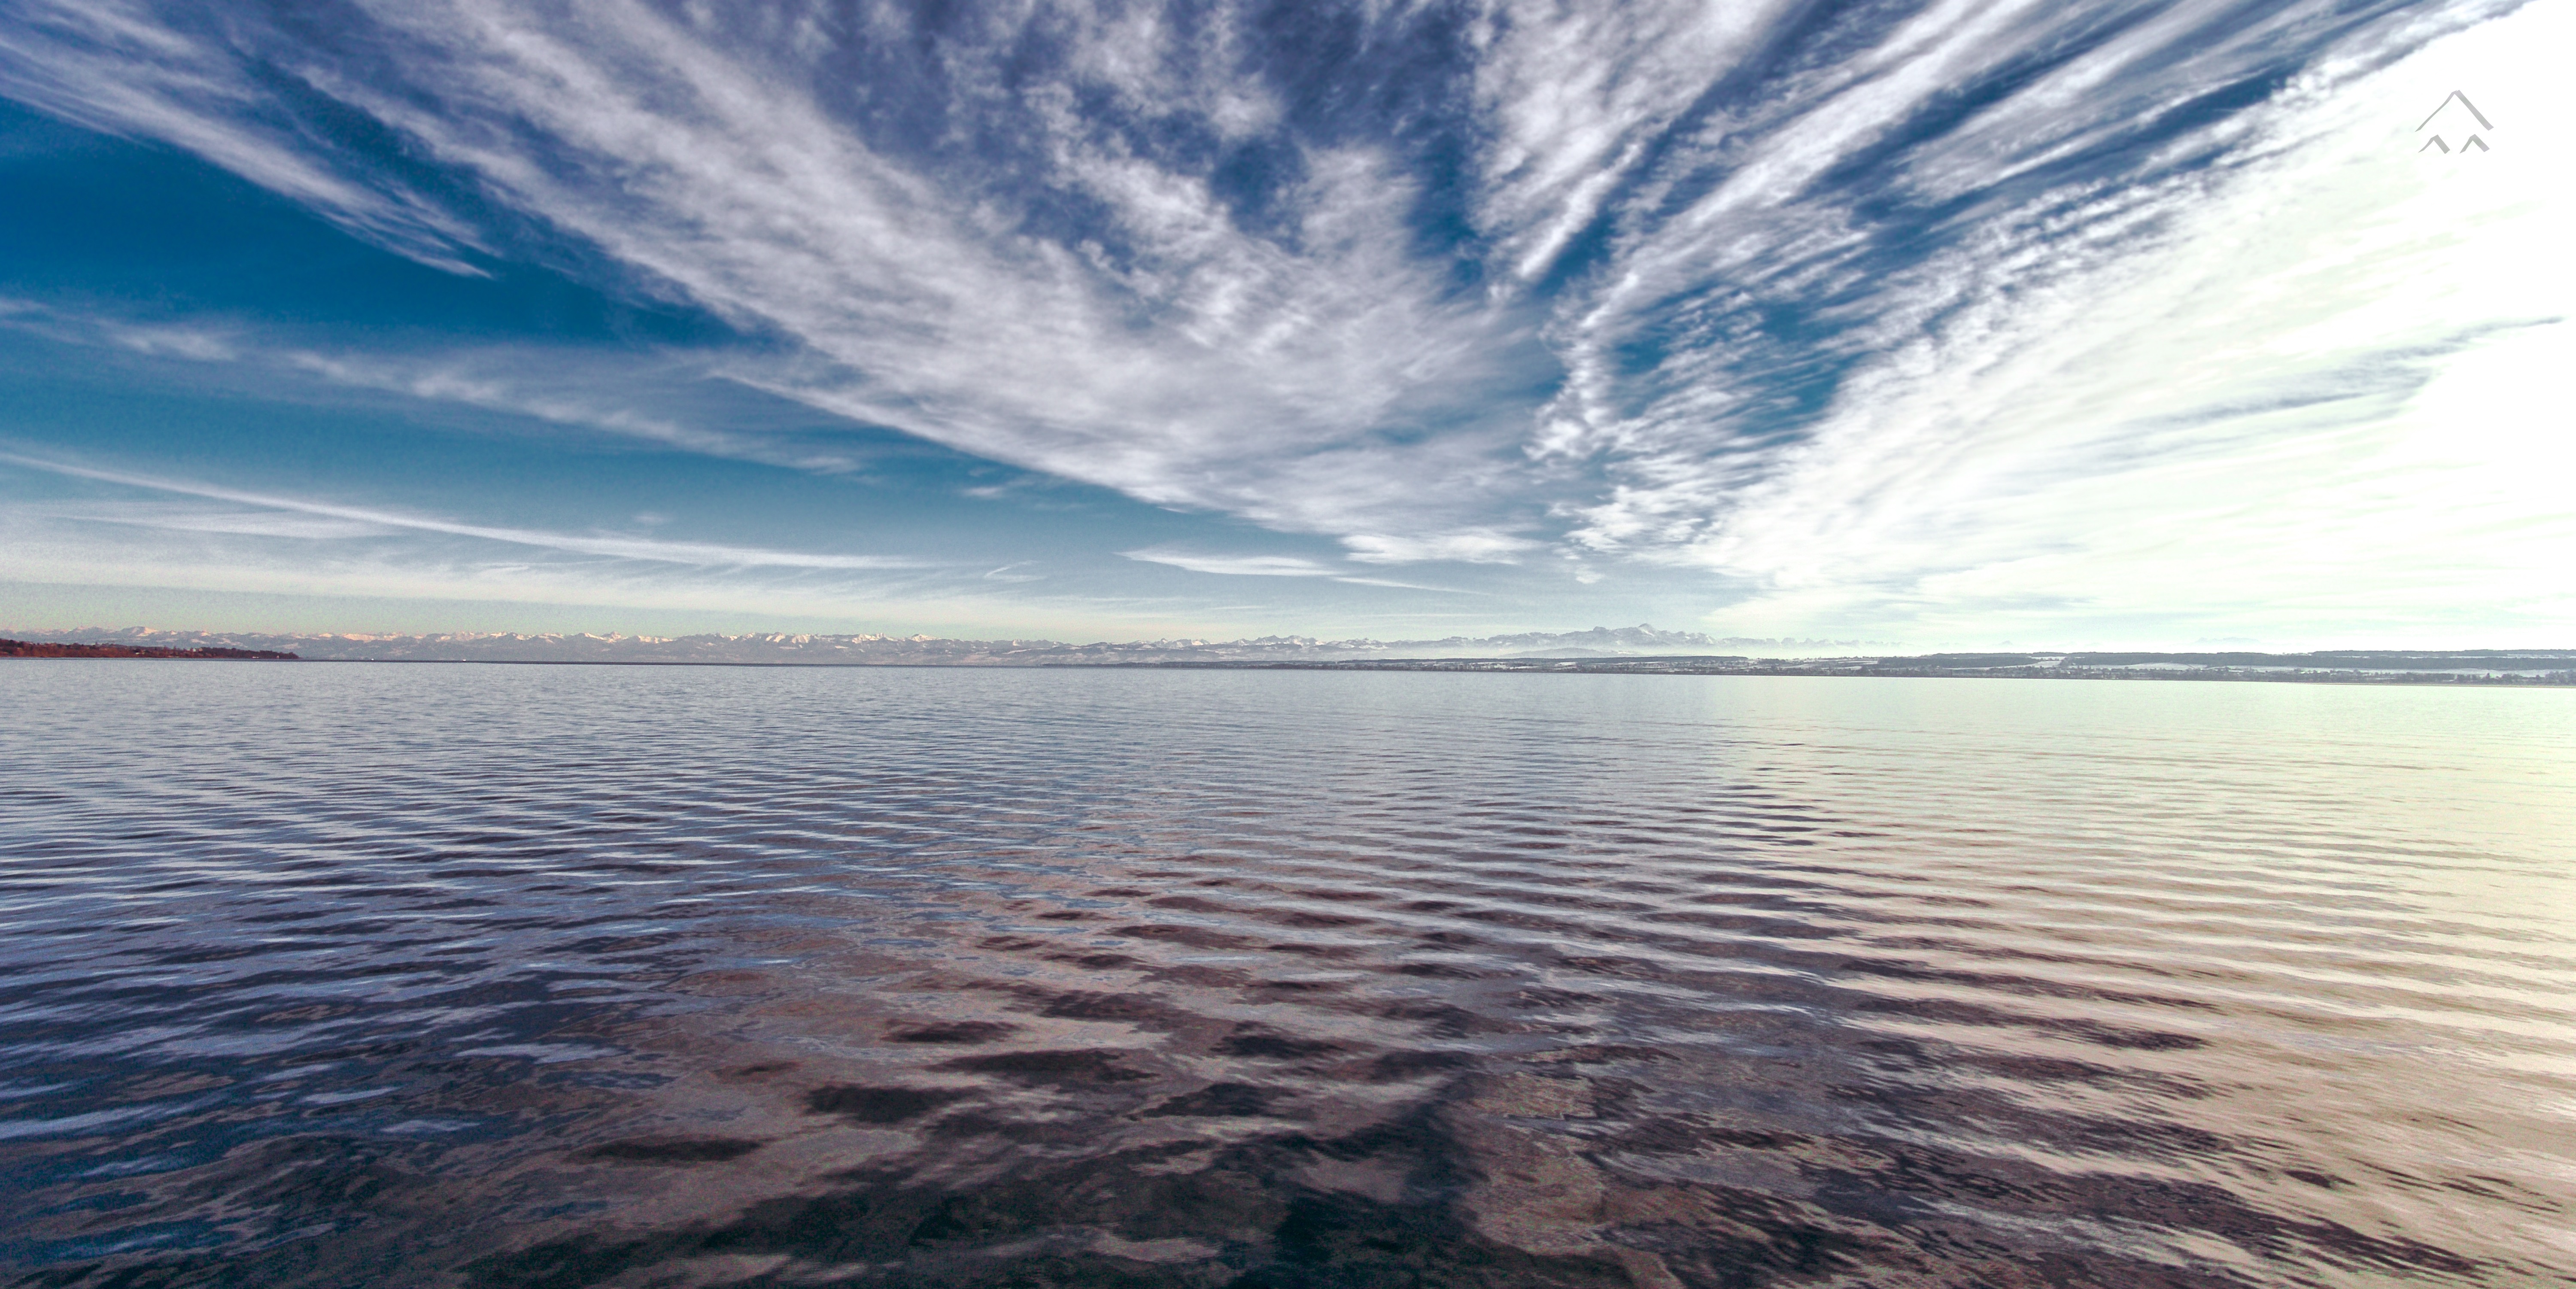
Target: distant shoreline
[1915,668]
[2414,669]
[47,649]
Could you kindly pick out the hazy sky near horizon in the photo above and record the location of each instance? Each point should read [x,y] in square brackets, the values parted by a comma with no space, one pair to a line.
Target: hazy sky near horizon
[1925,322]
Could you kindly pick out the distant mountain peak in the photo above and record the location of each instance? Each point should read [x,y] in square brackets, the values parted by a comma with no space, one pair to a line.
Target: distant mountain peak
[866,648]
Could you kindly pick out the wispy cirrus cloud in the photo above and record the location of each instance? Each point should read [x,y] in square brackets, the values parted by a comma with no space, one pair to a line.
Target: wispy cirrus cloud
[179,517]
[364,521]
[1876,310]
[127,68]
[2193,393]
[616,393]
[507,381]
[1236,565]
[1174,354]
[1270,566]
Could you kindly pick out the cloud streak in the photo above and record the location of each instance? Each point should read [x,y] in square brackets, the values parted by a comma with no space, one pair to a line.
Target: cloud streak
[1270,566]
[368,521]
[559,385]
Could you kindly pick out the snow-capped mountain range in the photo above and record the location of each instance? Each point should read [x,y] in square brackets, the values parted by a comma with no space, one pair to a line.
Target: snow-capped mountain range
[887,650]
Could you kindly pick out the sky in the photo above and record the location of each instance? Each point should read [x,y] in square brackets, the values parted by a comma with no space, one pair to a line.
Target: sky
[2050,323]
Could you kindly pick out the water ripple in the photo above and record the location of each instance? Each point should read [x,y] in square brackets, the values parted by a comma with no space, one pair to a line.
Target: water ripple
[586,976]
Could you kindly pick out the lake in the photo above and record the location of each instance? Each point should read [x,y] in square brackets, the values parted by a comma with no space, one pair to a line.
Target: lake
[380,974]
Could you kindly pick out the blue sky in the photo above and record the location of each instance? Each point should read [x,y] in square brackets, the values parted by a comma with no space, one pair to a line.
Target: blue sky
[1939,323]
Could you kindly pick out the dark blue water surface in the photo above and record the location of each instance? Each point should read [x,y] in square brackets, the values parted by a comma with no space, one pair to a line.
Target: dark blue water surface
[350,974]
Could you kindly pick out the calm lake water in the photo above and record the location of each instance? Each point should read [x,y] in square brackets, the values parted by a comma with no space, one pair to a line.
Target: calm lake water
[550,976]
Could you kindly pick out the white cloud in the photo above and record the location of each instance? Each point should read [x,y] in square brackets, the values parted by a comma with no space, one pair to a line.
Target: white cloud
[586,388]
[194,556]
[44,549]
[553,388]
[611,546]
[120,67]
[1473,546]
[199,519]
[2223,416]
[195,343]
[1577,92]
[1235,565]
[734,185]
[1270,566]
[2114,348]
